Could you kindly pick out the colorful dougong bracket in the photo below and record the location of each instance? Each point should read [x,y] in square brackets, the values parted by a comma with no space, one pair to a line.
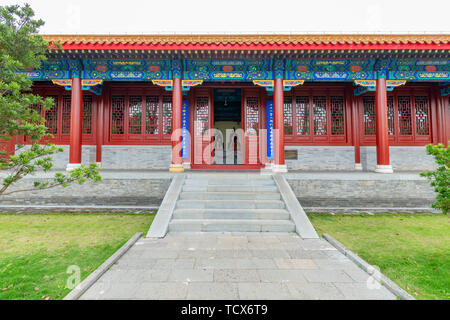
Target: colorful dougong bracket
[86,84]
[268,84]
[66,83]
[288,84]
[166,83]
[371,85]
[187,84]
[91,83]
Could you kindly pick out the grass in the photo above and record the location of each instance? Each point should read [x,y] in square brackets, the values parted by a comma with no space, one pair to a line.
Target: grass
[412,250]
[36,250]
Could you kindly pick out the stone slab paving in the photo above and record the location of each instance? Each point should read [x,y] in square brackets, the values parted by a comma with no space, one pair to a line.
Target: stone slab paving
[232,266]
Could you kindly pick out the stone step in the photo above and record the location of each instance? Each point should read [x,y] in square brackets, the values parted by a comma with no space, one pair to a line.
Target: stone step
[228,188]
[259,214]
[227,182]
[230,204]
[244,195]
[230,225]
[228,176]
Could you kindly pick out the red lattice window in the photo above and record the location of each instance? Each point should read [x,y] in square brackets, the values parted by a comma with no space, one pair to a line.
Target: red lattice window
[320,115]
[422,115]
[288,125]
[302,115]
[167,114]
[135,115]
[202,115]
[51,117]
[337,115]
[58,117]
[152,114]
[408,116]
[65,115]
[319,118]
[37,108]
[141,119]
[87,114]
[404,115]
[252,115]
[391,115]
[369,115]
[118,115]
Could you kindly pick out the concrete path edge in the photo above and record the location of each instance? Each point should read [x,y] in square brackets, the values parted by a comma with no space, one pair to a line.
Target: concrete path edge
[385,281]
[302,224]
[160,224]
[81,288]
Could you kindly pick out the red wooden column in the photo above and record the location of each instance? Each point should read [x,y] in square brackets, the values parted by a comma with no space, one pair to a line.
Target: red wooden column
[434,109]
[177,99]
[382,134]
[278,108]
[443,118]
[355,130]
[446,116]
[75,124]
[99,140]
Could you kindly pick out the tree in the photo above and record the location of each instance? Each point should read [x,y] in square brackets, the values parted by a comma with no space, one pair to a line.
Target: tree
[21,48]
[440,178]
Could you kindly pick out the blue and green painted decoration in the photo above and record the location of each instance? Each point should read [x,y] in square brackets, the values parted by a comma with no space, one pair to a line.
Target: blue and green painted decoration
[258,71]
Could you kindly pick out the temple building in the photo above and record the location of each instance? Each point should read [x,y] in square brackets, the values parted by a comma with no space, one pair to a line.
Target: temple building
[272,102]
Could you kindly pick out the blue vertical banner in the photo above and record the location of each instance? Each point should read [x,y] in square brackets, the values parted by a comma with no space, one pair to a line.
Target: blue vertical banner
[270,130]
[185,126]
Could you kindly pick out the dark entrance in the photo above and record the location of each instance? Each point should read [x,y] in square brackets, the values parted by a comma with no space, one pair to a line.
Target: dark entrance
[227,126]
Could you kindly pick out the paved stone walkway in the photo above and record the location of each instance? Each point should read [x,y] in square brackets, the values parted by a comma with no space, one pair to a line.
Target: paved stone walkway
[213,266]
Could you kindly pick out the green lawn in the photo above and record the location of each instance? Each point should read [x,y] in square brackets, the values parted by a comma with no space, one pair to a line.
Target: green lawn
[36,250]
[412,250]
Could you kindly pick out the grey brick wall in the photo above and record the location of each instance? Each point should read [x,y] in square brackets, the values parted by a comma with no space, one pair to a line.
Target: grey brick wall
[120,157]
[322,158]
[61,159]
[402,158]
[136,157]
[318,158]
[311,158]
[364,190]
[314,189]
[111,191]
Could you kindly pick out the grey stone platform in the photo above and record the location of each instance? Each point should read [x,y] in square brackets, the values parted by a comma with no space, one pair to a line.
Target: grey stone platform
[332,191]
[212,266]
[362,191]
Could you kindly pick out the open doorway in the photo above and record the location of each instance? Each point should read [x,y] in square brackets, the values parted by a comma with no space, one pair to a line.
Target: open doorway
[228,126]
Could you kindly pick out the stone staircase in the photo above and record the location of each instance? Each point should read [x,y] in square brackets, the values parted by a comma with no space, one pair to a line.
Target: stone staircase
[231,202]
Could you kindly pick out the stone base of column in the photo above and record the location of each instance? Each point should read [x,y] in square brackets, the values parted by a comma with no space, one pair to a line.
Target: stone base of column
[358,166]
[384,168]
[279,168]
[71,166]
[176,168]
[186,165]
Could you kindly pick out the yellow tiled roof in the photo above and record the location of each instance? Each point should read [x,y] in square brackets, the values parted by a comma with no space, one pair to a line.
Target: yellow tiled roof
[252,39]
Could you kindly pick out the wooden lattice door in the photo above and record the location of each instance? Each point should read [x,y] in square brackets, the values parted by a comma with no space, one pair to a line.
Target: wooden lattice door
[252,120]
[202,133]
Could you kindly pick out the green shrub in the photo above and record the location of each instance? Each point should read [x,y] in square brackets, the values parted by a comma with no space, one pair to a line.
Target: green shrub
[440,178]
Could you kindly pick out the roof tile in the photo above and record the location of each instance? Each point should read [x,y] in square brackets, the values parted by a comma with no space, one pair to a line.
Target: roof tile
[350,39]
